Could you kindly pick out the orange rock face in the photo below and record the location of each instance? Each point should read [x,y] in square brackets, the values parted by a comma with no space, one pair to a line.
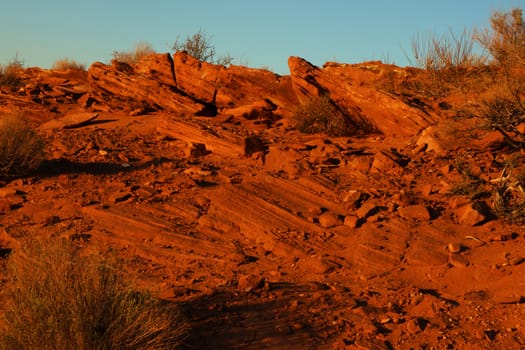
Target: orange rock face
[195,177]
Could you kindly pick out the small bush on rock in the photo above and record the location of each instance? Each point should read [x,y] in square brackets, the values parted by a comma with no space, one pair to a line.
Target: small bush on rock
[199,46]
[21,148]
[68,64]
[10,74]
[141,50]
[320,115]
[60,299]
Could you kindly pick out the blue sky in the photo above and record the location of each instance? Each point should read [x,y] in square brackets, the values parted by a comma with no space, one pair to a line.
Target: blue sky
[256,33]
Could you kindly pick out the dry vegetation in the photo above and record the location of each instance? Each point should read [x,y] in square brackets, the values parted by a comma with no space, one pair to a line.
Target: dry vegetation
[68,64]
[140,50]
[321,115]
[10,74]
[60,299]
[21,148]
[199,46]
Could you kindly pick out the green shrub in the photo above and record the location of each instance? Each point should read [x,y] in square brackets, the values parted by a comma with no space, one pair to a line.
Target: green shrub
[141,50]
[60,299]
[21,148]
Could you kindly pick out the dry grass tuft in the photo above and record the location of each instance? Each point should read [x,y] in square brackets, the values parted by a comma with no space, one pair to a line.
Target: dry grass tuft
[508,196]
[322,115]
[134,56]
[60,299]
[68,64]
[21,148]
[11,74]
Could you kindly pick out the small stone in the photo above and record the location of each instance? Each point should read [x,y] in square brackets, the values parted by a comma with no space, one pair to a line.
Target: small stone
[414,326]
[351,221]
[420,148]
[455,247]
[469,215]
[138,111]
[427,190]
[315,211]
[445,169]
[415,212]
[329,219]
[352,198]
[123,158]
[248,283]
[367,209]
[120,197]
[385,320]
[197,150]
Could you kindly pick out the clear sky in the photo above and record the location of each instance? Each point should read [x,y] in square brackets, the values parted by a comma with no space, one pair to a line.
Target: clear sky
[256,33]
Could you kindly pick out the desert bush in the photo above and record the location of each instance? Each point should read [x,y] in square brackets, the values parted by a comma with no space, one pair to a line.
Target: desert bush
[505,115]
[68,64]
[508,196]
[141,50]
[448,60]
[321,115]
[200,47]
[450,51]
[10,74]
[505,41]
[60,299]
[21,147]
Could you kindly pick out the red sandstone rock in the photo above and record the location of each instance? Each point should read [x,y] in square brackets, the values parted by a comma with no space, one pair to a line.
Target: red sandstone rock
[367,106]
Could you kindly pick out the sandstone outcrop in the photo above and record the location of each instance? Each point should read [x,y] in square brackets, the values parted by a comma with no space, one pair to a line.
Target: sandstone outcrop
[367,106]
[122,81]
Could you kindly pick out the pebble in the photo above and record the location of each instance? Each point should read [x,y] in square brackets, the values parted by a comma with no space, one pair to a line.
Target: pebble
[120,197]
[415,212]
[455,247]
[414,326]
[469,215]
[248,283]
[366,210]
[351,221]
[329,219]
